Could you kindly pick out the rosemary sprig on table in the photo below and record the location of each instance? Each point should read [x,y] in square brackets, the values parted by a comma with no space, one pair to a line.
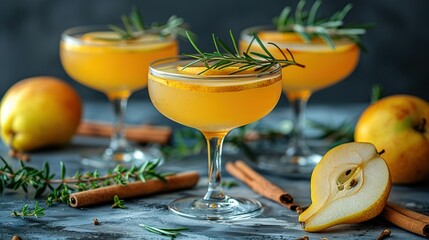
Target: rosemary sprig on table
[26,212]
[61,188]
[170,232]
[133,26]
[307,26]
[229,57]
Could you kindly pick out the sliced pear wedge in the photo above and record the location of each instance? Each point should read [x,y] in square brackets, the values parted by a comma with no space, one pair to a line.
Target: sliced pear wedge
[350,184]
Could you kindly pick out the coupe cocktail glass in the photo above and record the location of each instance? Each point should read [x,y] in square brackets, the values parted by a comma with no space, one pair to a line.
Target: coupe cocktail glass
[97,58]
[324,66]
[214,105]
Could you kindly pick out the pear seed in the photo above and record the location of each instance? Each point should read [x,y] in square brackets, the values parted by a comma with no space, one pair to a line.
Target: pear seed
[352,183]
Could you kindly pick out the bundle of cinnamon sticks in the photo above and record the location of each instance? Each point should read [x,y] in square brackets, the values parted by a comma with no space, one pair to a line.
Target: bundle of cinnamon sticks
[401,217]
[409,220]
[136,133]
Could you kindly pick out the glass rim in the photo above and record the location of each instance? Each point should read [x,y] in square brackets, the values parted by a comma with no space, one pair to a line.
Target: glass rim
[233,77]
[247,35]
[69,36]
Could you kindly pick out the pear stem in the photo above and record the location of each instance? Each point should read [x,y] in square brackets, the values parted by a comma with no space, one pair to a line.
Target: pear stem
[381,152]
[421,126]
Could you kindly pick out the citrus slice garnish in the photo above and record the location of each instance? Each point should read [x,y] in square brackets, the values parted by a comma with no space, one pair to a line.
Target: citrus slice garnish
[100,37]
[223,71]
[295,43]
[279,37]
[215,83]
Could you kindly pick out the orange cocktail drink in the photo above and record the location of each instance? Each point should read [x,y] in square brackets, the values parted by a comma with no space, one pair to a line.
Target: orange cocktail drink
[100,59]
[325,65]
[116,68]
[214,103]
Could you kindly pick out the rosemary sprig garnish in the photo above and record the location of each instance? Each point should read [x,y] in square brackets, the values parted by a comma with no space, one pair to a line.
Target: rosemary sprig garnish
[307,26]
[229,57]
[26,212]
[133,26]
[61,188]
[170,232]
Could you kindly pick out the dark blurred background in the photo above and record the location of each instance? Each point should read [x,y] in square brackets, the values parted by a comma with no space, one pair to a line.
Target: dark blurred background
[397,56]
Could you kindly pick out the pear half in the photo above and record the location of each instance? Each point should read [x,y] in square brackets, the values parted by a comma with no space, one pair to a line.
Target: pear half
[350,184]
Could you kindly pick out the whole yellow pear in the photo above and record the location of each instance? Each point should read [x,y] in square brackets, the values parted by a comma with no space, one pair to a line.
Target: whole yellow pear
[398,124]
[39,112]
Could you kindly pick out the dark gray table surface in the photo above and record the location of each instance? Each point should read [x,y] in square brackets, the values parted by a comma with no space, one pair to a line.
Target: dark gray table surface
[276,222]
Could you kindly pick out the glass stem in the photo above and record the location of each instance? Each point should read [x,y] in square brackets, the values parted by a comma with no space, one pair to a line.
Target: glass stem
[118,141]
[299,105]
[214,147]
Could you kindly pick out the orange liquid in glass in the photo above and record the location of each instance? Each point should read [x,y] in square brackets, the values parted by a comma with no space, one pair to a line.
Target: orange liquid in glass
[324,66]
[213,105]
[114,68]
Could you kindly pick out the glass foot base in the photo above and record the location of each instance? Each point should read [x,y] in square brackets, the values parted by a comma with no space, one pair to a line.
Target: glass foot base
[110,159]
[232,208]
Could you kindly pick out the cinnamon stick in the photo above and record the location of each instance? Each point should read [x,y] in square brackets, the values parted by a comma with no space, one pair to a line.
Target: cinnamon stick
[136,133]
[259,184]
[101,195]
[407,219]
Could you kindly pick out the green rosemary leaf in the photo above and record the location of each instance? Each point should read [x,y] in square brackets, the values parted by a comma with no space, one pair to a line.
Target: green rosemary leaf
[118,203]
[325,36]
[342,14]
[229,184]
[225,47]
[264,68]
[118,30]
[171,232]
[313,11]
[331,24]
[250,45]
[255,36]
[300,30]
[128,28]
[136,19]
[191,40]
[261,55]
[63,170]
[299,14]
[234,43]
[6,165]
[282,19]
